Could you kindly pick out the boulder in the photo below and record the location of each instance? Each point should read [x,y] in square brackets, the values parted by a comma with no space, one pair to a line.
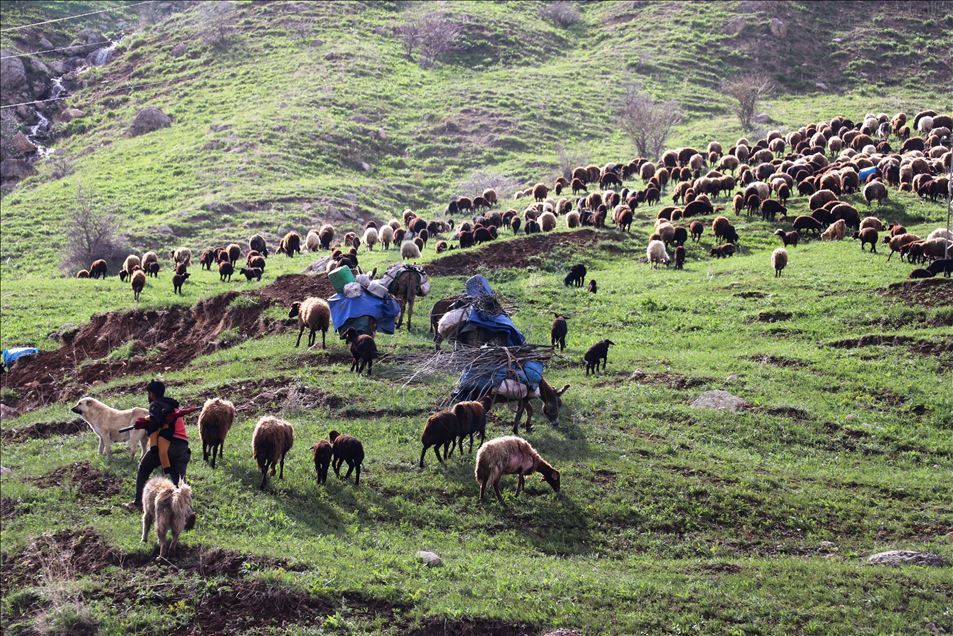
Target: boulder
[778,28]
[430,559]
[179,49]
[70,114]
[719,400]
[906,557]
[148,120]
[16,169]
[22,144]
[12,72]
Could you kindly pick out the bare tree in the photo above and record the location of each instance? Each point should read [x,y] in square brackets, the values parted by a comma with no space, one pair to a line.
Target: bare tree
[561,12]
[646,121]
[432,36]
[747,91]
[92,232]
[218,23]
[479,181]
[570,159]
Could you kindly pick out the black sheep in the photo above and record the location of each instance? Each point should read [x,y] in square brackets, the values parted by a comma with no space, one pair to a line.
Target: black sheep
[559,331]
[177,282]
[576,276]
[322,460]
[680,257]
[251,272]
[363,350]
[596,353]
[592,286]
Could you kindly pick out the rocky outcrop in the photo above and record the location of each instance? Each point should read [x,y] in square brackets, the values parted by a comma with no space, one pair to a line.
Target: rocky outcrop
[147,120]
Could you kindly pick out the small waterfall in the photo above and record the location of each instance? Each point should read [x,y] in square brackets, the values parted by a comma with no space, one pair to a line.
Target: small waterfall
[57,89]
[103,55]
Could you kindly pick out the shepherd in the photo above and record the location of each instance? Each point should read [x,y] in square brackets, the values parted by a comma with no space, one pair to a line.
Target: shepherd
[168,440]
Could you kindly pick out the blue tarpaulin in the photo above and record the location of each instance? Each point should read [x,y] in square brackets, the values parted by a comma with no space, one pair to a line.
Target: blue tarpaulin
[383,310]
[866,172]
[502,324]
[12,355]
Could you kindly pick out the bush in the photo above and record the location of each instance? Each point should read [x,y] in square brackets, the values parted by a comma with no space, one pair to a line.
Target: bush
[92,232]
[479,181]
[433,37]
[218,23]
[647,122]
[747,91]
[561,12]
[569,159]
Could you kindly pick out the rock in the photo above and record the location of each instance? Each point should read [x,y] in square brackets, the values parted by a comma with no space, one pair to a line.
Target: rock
[70,114]
[16,169]
[732,378]
[148,120]
[319,266]
[366,167]
[778,28]
[906,557]
[179,49]
[4,470]
[719,400]
[430,559]
[361,119]
[44,43]
[12,72]
[762,118]
[22,144]
[8,412]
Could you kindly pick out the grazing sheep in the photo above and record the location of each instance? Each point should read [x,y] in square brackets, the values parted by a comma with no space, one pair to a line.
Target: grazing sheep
[899,242]
[386,236]
[235,252]
[937,248]
[215,421]
[107,422]
[315,314]
[808,224]
[207,259]
[511,455]
[872,222]
[547,221]
[132,261]
[576,276]
[573,219]
[363,350]
[177,281]
[558,332]
[312,241]
[83,273]
[138,282]
[940,232]
[471,420]
[98,269]
[921,272]
[875,191]
[440,430]
[779,260]
[257,243]
[696,228]
[147,259]
[152,269]
[225,271]
[182,255]
[371,238]
[836,231]
[258,262]
[270,442]
[346,448]
[944,265]
[596,353]
[680,257]
[592,286]
[725,250]
[867,235]
[289,244]
[788,238]
[322,453]
[251,272]
[171,509]
[655,253]
[409,250]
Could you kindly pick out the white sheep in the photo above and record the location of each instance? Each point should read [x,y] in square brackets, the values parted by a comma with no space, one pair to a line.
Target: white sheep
[511,456]
[312,241]
[386,236]
[779,260]
[655,252]
[940,232]
[409,250]
[371,238]
[315,314]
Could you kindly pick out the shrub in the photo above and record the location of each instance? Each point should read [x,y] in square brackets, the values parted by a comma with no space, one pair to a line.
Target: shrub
[747,91]
[646,121]
[432,36]
[569,159]
[479,181]
[92,231]
[561,12]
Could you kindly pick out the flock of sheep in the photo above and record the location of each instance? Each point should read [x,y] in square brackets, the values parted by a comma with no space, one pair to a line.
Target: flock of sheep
[823,161]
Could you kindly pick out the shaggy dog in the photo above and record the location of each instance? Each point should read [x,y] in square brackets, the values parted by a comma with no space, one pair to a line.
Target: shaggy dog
[106,422]
[170,508]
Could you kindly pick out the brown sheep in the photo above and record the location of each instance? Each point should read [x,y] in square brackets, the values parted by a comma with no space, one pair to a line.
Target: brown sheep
[289,244]
[836,231]
[347,449]
[725,250]
[270,442]
[215,421]
[225,271]
[540,192]
[363,350]
[875,191]
[138,282]
[177,281]
[867,235]
[322,453]
[440,430]
[83,273]
[788,238]
[98,269]
[898,242]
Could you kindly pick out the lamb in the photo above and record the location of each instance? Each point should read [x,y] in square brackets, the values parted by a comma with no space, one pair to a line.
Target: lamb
[251,272]
[944,265]
[182,255]
[576,276]
[596,353]
[177,281]
[680,257]
[106,422]
[152,269]
[289,244]
[171,509]
[98,269]
[83,273]
[225,271]
[270,442]
[836,231]
[315,314]
[322,453]
[725,250]
[779,260]
[696,228]
[409,250]
[215,421]
[138,282]
[592,286]
[206,259]
[508,456]
[655,253]
[440,430]
[921,272]
[788,238]
[867,235]
[558,332]
[363,350]
[346,448]
[441,247]
[312,241]
[257,243]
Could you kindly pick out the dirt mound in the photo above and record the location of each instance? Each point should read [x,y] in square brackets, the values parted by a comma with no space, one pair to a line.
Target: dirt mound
[935,347]
[929,292]
[88,480]
[778,361]
[516,253]
[42,430]
[65,552]
[471,627]
[8,508]
[172,336]
[671,380]
[287,395]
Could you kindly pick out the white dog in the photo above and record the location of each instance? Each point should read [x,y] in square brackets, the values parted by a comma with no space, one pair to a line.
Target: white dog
[106,422]
[170,508]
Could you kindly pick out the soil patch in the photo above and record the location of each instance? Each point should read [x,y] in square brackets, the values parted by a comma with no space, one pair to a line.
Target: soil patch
[671,380]
[279,394]
[174,336]
[778,361]
[88,480]
[471,627]
[774,316]
[751,294]
[935,347]
[8,508]
[516,253]
[785,411]
[928,292]
[720,568]
[42,430]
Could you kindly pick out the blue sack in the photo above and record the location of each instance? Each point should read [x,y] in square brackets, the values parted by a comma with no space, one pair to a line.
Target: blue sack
[382,310]
[12,355]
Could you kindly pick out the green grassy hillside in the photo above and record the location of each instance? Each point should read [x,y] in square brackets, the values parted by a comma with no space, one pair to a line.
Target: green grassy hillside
[671,519]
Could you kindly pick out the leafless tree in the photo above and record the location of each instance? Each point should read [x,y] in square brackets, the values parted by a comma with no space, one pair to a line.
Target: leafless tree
[432,36]
[647,122]
[479,181]
[92,231]
[570,159]
[561,12]
[218,23]
[747,91]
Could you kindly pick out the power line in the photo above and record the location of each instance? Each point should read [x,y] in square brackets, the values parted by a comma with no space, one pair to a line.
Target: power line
[73,17]
[38,101]
[61,48]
